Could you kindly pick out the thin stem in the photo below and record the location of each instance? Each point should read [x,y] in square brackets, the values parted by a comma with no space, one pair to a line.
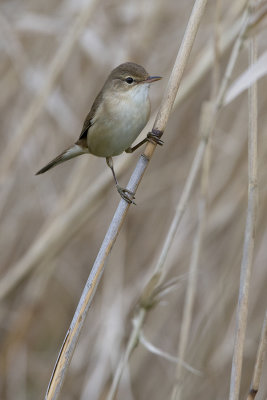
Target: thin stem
[248,249]
[179,66]
[230,66]
[181,206]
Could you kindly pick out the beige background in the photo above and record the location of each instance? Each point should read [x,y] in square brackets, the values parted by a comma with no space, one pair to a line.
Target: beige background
[36,314]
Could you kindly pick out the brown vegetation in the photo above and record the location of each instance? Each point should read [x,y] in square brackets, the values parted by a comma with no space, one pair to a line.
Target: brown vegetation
[55,56]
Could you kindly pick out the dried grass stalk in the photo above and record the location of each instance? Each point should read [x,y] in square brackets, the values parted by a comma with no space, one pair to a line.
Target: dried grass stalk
[247,258]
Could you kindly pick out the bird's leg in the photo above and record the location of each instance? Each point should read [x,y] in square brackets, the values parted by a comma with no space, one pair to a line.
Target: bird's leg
[124,193]
[132,149]
[153,137]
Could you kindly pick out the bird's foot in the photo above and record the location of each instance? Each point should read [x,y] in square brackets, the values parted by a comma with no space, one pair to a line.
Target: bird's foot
[154,137]
[126,194]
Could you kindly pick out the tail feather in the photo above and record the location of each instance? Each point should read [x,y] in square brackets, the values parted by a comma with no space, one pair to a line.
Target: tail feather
[69,153]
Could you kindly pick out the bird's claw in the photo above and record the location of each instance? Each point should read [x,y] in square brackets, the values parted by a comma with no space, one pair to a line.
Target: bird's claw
[126,195]
[154,137]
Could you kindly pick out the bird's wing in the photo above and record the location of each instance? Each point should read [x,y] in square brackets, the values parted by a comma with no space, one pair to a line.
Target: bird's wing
[89,118]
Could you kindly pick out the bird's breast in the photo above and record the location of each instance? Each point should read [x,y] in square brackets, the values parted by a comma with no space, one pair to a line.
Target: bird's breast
[118,121]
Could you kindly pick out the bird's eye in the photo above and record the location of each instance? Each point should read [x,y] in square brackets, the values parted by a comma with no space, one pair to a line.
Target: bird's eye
[129,80]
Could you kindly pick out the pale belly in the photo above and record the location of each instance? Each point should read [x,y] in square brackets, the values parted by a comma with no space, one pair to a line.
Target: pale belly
[111,136]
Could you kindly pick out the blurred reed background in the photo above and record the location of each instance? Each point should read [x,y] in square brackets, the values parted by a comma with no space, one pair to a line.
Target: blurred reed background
[55,56]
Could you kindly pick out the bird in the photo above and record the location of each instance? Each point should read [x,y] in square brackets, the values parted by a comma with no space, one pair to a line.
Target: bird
[118,115]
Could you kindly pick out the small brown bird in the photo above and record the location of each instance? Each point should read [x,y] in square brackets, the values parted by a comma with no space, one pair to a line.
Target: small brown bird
[118,115]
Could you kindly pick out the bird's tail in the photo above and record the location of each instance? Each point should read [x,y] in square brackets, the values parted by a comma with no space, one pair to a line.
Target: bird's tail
[69,153]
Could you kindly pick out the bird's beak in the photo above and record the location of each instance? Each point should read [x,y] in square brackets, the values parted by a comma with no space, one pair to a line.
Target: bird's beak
[151,79]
